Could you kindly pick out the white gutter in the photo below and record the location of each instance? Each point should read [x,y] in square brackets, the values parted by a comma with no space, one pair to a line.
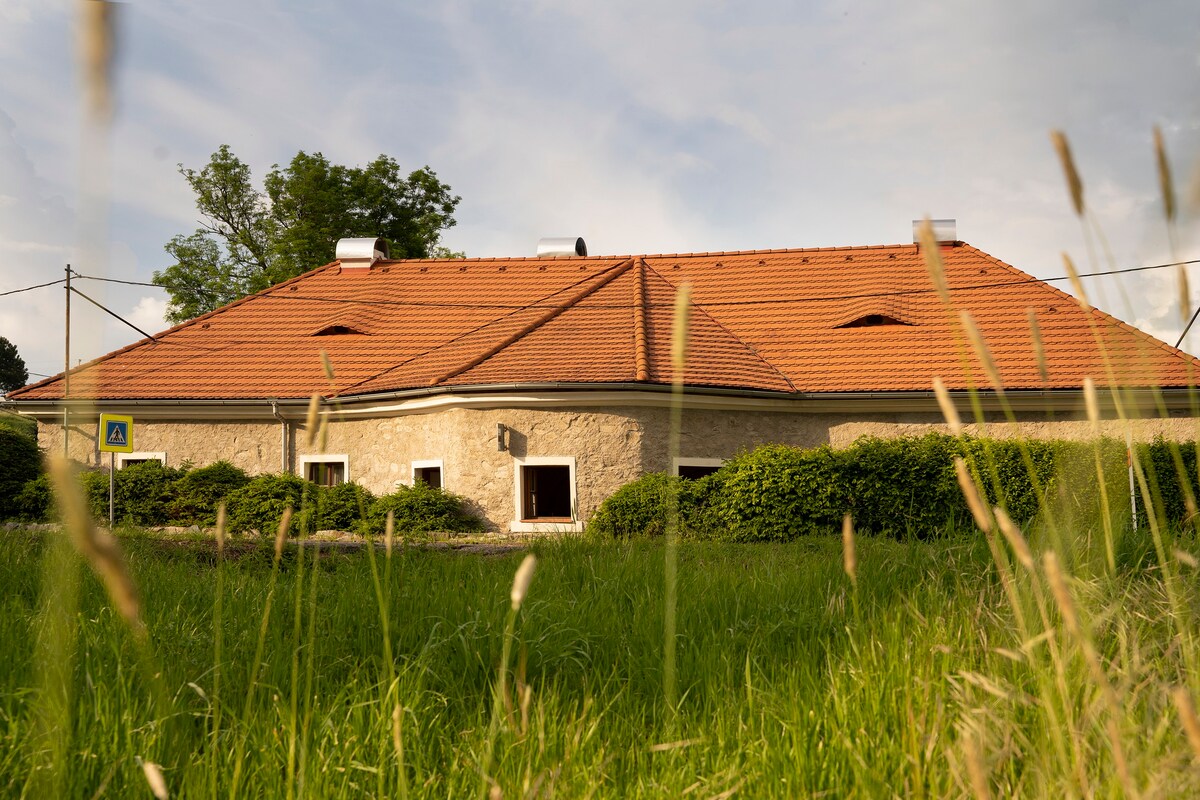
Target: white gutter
[283,436]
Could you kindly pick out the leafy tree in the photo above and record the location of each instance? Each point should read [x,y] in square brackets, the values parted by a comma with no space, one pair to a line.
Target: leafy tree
[251,239]
[13,374]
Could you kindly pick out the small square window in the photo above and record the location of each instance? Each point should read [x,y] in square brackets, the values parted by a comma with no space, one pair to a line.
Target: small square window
[546,493]
[430,476]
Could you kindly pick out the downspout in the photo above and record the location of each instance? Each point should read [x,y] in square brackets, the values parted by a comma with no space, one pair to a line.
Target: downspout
[283,437]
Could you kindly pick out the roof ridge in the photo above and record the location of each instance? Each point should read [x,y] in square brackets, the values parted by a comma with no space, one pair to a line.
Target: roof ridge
[605,278]
[640,353]
[731,334]
[626,256]
[1104,316]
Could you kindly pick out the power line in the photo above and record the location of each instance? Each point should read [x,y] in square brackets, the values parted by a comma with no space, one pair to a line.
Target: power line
[712,304]
[31,288]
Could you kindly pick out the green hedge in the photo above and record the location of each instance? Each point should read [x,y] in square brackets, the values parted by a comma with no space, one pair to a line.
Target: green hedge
[149,495]
[903,487]
[20,462]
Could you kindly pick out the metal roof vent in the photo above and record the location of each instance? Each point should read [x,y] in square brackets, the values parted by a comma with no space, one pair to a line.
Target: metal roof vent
[561,246]
[944,230]
[361,253]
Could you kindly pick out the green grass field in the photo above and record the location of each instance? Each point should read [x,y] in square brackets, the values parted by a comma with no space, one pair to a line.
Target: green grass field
[792,683]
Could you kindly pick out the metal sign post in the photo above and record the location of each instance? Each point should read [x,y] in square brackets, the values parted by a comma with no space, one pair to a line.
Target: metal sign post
[116,436]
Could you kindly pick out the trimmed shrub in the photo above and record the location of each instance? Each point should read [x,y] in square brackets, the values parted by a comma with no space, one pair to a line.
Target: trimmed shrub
[344,507]
[199,491]
[259,505]
[776,493]
[141,493]
[421,509]
[35,501]
[20,462]
[640,508]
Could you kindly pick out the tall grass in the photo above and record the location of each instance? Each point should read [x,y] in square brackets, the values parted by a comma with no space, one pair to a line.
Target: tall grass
[784,690]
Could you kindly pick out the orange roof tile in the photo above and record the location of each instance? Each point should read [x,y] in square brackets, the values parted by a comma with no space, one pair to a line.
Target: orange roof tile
[776,321]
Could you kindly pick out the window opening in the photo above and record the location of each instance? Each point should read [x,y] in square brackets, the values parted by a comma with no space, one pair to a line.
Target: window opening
[430,476]
[325,473]
[695,472]
[546,492]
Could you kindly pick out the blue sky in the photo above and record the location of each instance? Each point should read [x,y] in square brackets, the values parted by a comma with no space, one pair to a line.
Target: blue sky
[641,126]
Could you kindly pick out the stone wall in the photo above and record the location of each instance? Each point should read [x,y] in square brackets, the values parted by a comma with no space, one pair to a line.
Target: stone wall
[611,446]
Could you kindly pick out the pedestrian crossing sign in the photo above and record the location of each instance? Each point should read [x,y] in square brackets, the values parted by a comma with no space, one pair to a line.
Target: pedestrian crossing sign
[116,433]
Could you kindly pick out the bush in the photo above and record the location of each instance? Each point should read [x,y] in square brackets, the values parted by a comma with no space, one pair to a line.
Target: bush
[776,493]
[199,492]
[421,509]
[259,505]
[20,462]
[35,501]
[141,493]
[344,507]
[640,508]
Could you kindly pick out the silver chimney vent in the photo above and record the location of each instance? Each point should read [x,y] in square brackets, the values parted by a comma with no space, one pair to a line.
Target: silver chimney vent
[361,253]
[944,230]
[561,246]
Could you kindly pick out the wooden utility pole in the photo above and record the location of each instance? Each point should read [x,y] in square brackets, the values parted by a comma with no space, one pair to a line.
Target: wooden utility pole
[67,368]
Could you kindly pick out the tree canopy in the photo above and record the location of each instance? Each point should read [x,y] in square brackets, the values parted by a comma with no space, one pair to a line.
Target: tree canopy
[13,374]
[251,239]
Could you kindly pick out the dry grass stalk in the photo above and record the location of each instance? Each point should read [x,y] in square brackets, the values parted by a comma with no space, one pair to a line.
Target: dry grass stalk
[327,366]
[981,350]
[1074,184]
[679,330]
[1164,174]
[310,423]
[389,532]
[947,406]
[975,769]
[522,580]
[971,493]
[98,548]
[1039,349]
[933,259]
[397,742]
[1076,284]
[1187,715]
[323,433]
[285,522]
[1092,402]
[154,777]
[849,555]
[1016,540]
[221,531]
[97,45]
[1185,293]
[1186,558]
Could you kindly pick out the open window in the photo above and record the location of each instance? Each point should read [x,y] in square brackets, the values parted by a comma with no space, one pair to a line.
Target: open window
[695,468]
[545,494]
[129,459]
[325,470]
[428,472]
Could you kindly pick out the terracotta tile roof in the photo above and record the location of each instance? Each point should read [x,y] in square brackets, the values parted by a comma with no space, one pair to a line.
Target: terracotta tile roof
[861,319]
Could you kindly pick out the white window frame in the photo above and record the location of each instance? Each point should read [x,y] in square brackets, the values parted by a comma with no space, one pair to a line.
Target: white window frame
[428,463]
[522,526]
[325,458]
[676,463]
[124,458]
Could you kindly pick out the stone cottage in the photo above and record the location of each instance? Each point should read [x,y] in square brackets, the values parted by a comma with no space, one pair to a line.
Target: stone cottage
[535,387]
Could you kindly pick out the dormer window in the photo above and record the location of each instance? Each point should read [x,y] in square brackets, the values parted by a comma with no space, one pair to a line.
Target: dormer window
[338,330]
[872,321]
